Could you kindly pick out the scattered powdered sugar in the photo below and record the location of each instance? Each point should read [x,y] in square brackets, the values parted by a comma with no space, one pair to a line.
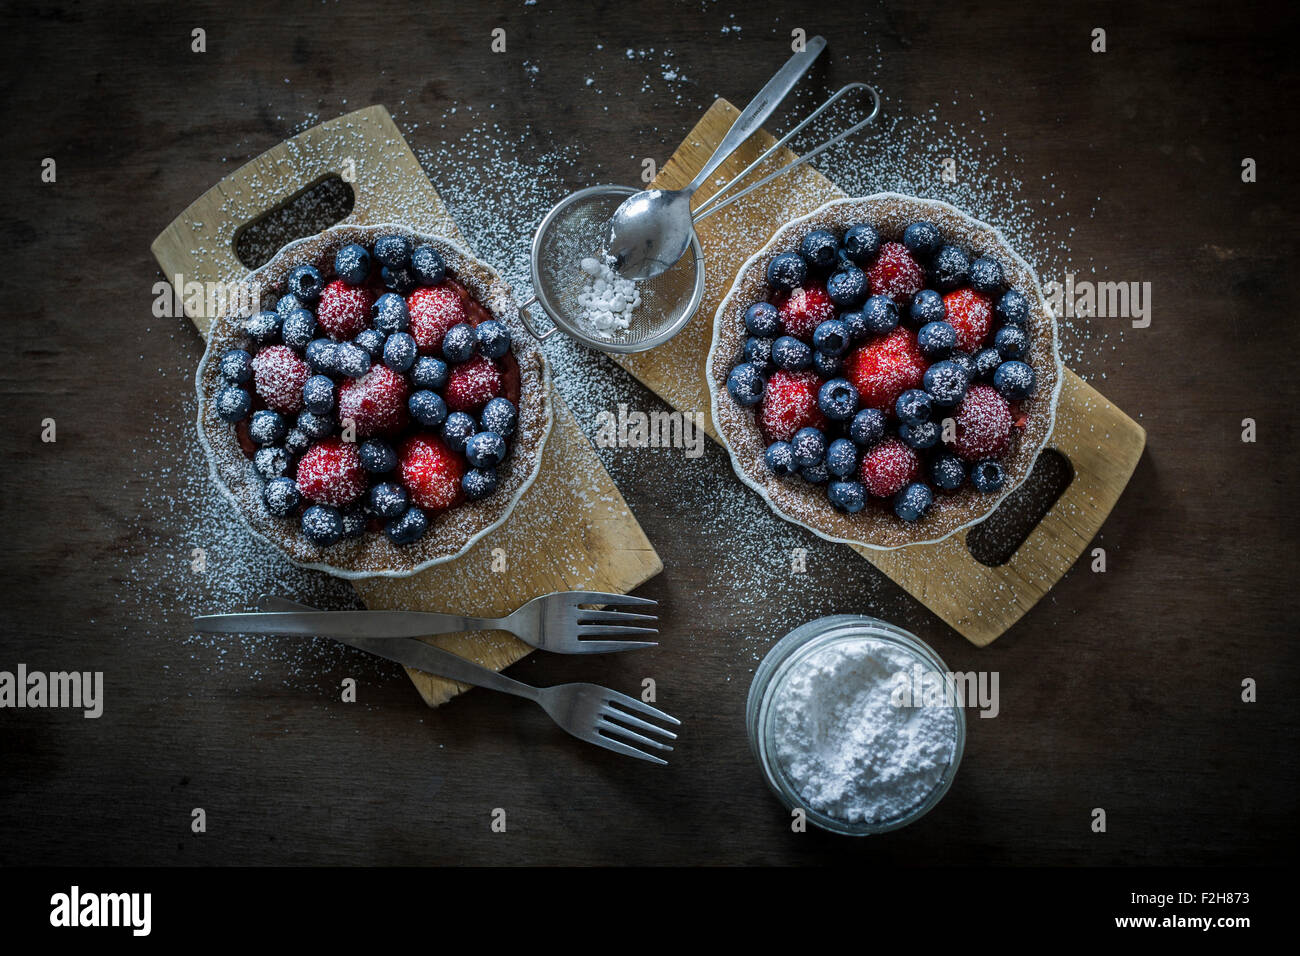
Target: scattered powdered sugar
[608,300]
[847,748]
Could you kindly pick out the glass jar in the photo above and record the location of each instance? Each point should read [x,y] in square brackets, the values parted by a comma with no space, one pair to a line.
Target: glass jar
[783,659]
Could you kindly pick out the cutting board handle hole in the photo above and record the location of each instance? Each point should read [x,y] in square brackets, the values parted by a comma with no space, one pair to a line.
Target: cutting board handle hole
[312,209]
[998,537]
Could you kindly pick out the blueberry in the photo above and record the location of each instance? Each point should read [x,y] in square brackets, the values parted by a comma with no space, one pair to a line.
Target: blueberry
[927,306]
[948,471]
[838,399]
[318,394]
[858,328]
[818,249]
[779,457]
[305,283]
[861,243]
[233,404]
[299,328]
[459,343]
[986,275]
[828,366]
[427,265]
[745,384]
[485,450]
[351,360]
[946,383]
[315,426]
[400,279]
[388,500]
[791,354]
[493,339]
[809,447]
[914,501]
[922,239]
[267,427]
[263,326]
[758,352]
[281,496]
[831,337]
[1015,380]
[288,303]
[352,263]
[815,474]
[427,408]
[1011,342]
[868,427]
[391,314]
[479,483]
[372,340]
[320,355]
[409,528]
[847,496]
[499,415]
[429,372]
[847,287]
[271,462]
[787,271]
[457,429]
[988,476]
[950,269]
[987,362]
[842,458]
[236,366]
[924,435]
[966,361]
[1013,308]
[936,340]
[354,521]
[297,441]
[914,407]
[377,457]
[763,319]
[393,251]
[400,351]
[322,525]
[880,313]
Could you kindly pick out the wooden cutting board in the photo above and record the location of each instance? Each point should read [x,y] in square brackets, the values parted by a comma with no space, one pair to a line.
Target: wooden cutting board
[1102,444]
[572,529]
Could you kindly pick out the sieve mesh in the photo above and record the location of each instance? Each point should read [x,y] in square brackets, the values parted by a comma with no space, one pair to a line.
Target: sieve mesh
[574,230]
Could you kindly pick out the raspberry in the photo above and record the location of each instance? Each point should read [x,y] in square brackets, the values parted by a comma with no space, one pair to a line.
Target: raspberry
[971,314]
[804,309]
[896,273]
[983,424]
[473,385]
[431,472]
[376,402]
[330,473]
[789,404]
[885,368]
[889,467]
[434,310]
[278,377]
[343,309]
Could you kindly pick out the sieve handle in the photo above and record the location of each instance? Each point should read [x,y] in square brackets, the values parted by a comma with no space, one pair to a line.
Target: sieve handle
[525,316]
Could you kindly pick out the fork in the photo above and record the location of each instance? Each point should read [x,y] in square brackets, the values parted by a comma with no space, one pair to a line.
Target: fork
[588,711]
[552,622]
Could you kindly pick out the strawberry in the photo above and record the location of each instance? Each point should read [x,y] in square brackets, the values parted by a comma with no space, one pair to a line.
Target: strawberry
[789,404]
[343,309]
[895,273]
[984,424]
[376,402]
[431,472]
[278,377]
[434,310]
[885,368]
[330,473]
[472,385]
[971,314]
[804,309]
[888,467]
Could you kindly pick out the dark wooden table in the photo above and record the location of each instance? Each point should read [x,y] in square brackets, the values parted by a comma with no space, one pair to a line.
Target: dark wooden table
[1120,691]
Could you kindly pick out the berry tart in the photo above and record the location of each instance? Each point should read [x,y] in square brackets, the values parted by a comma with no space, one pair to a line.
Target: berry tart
[383,410]
[885,371]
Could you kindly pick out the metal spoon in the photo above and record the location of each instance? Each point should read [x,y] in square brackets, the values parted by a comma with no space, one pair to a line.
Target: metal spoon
[651,230]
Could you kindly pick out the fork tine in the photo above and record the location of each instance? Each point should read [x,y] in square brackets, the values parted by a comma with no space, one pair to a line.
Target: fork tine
[609,711]
[610,630]
[629,734]
[619,748]
[610,647]
[587,616]
[616,698]
[602,597]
